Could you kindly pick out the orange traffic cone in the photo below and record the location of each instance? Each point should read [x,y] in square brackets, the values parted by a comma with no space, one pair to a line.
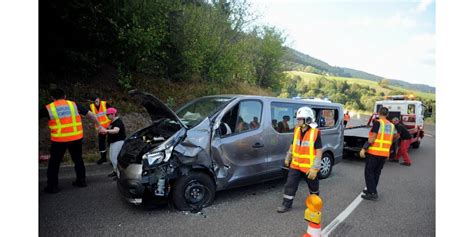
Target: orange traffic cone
[313,215]
[314,230]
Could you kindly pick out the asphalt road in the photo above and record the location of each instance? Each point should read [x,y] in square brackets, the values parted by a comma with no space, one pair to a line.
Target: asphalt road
[406,205]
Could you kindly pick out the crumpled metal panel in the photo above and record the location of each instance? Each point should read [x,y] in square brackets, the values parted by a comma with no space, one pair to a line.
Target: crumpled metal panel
[197,140]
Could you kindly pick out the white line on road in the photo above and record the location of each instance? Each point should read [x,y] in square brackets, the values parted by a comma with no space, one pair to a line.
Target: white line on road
[341,217]
[429,135]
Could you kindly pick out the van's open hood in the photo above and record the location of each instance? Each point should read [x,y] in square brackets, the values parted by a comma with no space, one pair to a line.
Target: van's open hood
[157,109]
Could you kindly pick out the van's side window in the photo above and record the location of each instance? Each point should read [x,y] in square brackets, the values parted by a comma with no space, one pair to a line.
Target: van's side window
[245,116]
[326,118]
[283,116]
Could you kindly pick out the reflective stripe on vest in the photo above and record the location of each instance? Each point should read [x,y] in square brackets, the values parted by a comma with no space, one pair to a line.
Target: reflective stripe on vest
[101,114]
[383,141]
[64,121]
[303,151]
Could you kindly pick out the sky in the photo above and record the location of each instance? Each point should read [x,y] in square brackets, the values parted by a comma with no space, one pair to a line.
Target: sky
[391,39]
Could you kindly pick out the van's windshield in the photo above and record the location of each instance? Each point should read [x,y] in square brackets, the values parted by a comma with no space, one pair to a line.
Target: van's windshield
[193,113]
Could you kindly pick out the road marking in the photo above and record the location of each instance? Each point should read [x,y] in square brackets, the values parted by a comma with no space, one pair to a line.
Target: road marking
[429,135]
[342,216]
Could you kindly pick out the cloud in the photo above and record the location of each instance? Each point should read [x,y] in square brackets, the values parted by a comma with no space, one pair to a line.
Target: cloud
[423,5]
[399,21]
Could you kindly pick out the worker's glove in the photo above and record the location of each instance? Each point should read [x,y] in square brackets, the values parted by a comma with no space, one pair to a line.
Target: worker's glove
[312,173]
[288,159]
[362,153]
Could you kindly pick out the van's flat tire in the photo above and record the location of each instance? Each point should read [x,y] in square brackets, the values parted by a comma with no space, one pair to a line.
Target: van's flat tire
[193,191]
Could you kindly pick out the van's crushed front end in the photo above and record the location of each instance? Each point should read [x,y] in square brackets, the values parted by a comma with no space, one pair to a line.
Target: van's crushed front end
[145,165]
[154,157]
[145,158]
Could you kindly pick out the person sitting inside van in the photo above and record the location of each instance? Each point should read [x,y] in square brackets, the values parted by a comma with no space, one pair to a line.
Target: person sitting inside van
[241,125]
[283,125]
[275,124]
[254,124]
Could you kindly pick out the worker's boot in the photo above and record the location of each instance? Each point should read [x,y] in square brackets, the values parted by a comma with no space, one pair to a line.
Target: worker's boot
[103,158]
[285,206]
[370,196]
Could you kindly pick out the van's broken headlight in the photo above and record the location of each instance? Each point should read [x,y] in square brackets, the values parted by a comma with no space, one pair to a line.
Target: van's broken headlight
[160,153]
[154,157]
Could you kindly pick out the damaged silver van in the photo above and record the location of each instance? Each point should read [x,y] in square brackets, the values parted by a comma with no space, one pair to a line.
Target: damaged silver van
[215,143]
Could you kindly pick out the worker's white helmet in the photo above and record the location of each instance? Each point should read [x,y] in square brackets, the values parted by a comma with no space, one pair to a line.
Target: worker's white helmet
[305,113]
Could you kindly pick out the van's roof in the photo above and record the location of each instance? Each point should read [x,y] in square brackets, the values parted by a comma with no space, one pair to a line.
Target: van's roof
[305,101]
[398,102]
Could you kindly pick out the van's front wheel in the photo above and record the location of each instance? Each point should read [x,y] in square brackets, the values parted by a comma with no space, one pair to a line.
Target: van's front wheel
[193,191]
[326,165]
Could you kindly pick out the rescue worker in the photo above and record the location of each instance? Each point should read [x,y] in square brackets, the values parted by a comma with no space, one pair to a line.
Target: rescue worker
[115,136]
[347,117]
[99,108]
[66,134]
[303,157]
[405,138]
[377,149]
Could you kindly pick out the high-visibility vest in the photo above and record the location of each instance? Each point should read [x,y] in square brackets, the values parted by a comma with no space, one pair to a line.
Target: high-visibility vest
[347,117]
[64,121]
[383,141]
[303,151]
[101,114]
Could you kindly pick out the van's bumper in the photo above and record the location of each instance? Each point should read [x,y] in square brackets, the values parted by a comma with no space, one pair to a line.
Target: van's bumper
[131,190]
[129,183]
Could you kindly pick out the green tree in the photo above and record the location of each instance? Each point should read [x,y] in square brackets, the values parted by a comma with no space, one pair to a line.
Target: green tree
[384,83]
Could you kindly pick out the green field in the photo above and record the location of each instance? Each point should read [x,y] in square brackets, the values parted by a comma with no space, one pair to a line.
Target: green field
[372,84]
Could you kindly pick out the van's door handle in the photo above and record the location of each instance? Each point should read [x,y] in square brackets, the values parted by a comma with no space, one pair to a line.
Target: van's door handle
[257,145]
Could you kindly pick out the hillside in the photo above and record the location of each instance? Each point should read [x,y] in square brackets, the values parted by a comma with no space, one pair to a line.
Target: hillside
[297,61]
[354,93]
[391,89]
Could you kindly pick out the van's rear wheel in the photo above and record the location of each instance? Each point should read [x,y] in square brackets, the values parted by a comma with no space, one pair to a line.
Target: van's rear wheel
[326,165]
[193,191]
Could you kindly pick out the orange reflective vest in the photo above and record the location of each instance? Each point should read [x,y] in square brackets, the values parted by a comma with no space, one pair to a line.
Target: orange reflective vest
[303,151]
[383,141]
[101,114]
[347,117]
[64,121]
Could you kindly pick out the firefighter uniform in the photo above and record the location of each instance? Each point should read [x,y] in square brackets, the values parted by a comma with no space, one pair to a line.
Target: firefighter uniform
[377,153]
[303,151]
[100,113]
[347,117]
[66,134]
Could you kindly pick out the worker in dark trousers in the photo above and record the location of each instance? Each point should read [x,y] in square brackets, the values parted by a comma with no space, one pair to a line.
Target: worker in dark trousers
[99,108]
[66,134]
[303,158]
[405,138]
[377,149]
